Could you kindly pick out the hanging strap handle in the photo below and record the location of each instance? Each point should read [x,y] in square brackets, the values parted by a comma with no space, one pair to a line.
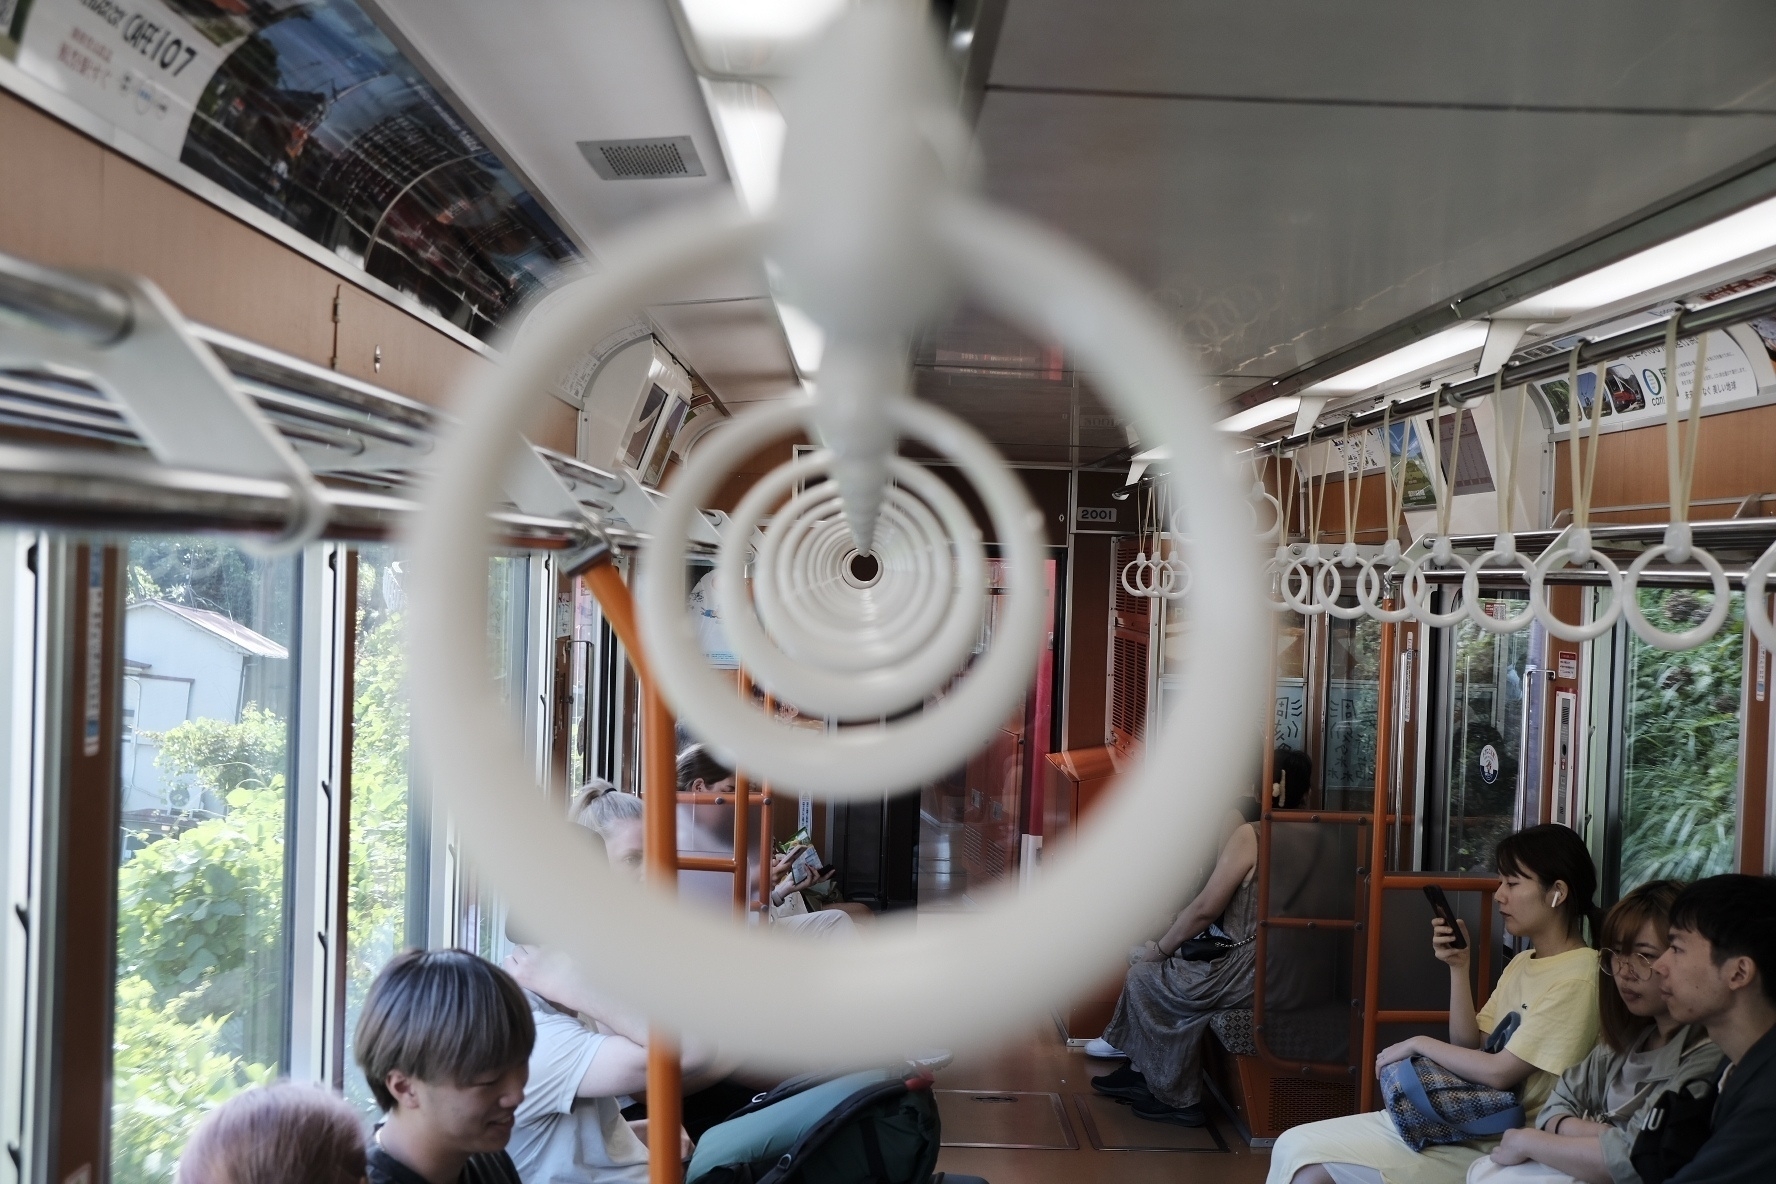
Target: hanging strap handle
[1509,444]
[1680,445]
[1353,499]
[1393,484]
[1288,491]
[1584,471]
[1319,503]
[1443,486]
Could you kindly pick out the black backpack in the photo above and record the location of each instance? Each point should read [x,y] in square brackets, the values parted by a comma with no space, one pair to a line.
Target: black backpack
[875,1127]
[1679,1122]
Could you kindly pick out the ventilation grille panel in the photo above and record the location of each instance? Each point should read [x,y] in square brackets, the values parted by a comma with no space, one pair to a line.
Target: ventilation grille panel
[658,158]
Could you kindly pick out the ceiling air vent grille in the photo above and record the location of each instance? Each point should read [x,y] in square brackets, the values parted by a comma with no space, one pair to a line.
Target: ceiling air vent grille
[636,160]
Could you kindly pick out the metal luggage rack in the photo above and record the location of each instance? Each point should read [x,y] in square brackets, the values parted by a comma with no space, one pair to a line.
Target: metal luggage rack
[72,455]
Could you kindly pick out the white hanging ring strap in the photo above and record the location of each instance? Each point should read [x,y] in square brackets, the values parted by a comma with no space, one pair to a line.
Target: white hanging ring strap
[1504,548]
[1393,492]
[1680,455]
[1416,587]
[1347,557]
[1308,563]
[1757,601]
[1577,549]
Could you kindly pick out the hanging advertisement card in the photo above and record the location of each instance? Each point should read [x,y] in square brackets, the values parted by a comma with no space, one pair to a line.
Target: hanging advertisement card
[141,64]
[1635,386]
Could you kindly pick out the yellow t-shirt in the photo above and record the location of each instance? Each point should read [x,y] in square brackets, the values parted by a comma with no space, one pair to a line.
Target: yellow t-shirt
[1557,1000]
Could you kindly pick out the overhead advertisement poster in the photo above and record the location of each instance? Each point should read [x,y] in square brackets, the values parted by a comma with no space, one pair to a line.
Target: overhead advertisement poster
[140,64]
[1635,386]
[306,110]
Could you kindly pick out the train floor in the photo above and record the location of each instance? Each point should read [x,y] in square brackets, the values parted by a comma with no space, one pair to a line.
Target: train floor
[1026,1114]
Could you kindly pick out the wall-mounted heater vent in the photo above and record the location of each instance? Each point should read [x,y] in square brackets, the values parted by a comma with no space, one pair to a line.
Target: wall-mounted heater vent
[636,160]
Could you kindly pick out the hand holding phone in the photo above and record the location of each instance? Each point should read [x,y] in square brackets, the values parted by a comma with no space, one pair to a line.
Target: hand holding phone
[1441,909]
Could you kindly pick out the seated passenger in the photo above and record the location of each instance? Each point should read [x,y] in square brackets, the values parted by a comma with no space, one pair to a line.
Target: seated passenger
[1588,1127]
[588,1054]
[444,1041]
[277,1134]
[1162,1016]
[1550,990]
[1720,972]
[710,828]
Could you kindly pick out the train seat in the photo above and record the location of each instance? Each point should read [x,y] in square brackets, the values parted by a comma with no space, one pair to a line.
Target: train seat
[1307,1013]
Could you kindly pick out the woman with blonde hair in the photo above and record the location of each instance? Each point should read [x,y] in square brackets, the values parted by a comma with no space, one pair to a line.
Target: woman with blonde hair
[277,1134]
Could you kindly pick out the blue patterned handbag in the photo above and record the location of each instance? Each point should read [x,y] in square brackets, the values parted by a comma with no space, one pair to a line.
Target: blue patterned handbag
[1431,1106]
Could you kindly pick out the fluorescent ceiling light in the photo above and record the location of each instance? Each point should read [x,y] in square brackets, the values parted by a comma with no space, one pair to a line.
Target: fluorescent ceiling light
[754,38]
[1704,249]
[1452,342]
[806,340]
[751,130]
[1264,414]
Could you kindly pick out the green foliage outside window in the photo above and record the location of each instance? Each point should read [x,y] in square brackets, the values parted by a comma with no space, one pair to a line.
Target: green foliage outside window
[377,910]
[200,946]
[1682,745]
[200,1003]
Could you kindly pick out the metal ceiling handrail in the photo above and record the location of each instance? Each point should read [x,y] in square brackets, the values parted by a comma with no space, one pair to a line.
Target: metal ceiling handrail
[1689,323]
[75,489]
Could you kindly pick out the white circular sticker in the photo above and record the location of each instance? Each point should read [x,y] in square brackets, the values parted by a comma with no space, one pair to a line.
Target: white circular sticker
[1489,764]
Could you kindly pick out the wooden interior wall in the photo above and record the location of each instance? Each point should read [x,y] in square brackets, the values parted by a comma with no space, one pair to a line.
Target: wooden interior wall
[68,201]
[1735,457]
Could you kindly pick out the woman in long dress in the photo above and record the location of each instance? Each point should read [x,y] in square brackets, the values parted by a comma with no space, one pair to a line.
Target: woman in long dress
[1162,1017]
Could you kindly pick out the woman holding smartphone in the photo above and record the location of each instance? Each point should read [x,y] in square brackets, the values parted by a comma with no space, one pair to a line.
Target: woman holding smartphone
[1548,996]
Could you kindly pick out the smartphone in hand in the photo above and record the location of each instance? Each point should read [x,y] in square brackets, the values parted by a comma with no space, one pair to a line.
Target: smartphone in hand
[1440,906]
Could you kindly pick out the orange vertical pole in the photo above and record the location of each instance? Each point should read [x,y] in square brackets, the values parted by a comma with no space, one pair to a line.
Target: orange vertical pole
[742,821]
[665,1092]
[1378,835]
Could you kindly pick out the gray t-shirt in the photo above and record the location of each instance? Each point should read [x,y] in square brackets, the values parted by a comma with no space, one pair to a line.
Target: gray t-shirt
[558,1136]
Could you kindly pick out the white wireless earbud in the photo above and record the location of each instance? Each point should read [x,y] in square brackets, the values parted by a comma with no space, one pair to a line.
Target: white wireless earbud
[1556,903]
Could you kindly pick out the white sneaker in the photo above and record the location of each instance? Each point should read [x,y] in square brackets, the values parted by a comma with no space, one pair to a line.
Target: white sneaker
[1099,1047]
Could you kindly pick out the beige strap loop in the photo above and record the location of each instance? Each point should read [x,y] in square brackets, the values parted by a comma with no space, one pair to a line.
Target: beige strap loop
[1584,471]
[1443,487]
[1509,443]
[1680,445]
[1353,499]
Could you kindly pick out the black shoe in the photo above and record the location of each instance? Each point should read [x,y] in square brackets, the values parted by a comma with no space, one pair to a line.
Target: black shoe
[1125,1083]
[1158,1111]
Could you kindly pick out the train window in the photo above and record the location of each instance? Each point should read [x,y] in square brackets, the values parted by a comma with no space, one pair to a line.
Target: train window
[1680,744]
[1483,738]
[1291,682]
[480,922]
[1353,685]
[209,683]
[385,907]
[508,616]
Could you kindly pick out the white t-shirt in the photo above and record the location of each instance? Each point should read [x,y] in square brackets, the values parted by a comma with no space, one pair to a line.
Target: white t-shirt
[559,1137]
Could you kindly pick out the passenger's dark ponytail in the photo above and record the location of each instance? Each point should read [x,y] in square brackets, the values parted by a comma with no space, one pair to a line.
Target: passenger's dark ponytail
[1594,922]
[1553,852]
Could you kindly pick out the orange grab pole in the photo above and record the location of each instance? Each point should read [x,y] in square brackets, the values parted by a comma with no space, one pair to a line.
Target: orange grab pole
[665,1092]
[743,820]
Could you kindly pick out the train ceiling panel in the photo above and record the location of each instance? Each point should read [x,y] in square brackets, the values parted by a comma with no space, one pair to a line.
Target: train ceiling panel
[1290,178]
